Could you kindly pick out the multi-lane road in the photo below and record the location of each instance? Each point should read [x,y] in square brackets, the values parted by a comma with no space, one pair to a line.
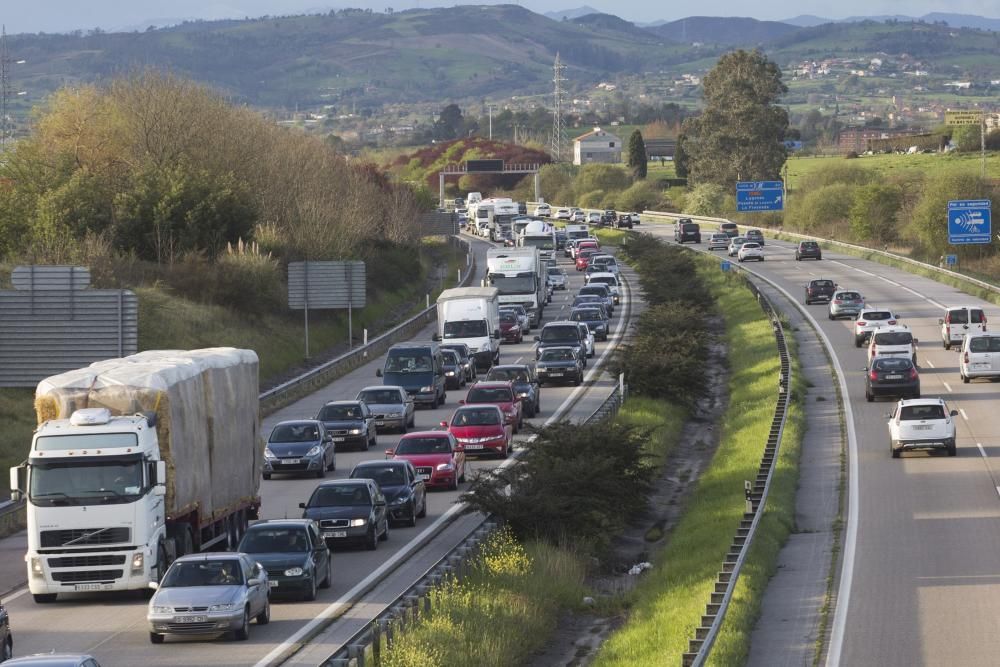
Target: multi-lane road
[923,584]
[113,628]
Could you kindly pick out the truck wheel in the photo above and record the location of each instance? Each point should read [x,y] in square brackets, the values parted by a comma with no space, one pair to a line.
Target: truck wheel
[44,598]
[266,475]
[946,344]
[155,638]
[161,563]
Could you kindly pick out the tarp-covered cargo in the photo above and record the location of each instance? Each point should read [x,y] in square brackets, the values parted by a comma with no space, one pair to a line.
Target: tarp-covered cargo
[207,417]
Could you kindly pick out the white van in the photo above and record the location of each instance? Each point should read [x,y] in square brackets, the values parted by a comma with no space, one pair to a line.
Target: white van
[960,321]
[892,342]
[980,356]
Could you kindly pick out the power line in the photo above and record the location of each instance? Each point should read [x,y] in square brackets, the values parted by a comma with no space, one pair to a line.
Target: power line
[558,138]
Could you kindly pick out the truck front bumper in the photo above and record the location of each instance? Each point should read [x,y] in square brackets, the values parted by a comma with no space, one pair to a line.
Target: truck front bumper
[74,572]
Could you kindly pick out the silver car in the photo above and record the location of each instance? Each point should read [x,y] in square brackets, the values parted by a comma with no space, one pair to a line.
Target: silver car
[718,242]
[391,405]
[209,593]
[846,303]
[54,660]
[557,278]
[735,244]
[299,446]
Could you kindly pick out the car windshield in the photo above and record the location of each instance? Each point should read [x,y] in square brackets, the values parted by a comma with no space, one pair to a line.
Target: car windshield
[599,290]
[460,349]
[265,539]
[892,364]
[507,375]
[894,338]
[587,315]
[340,495]
[557,355]
[876,315]
[339,412]
[984,344]
[465,329]
[916,412]
[384,475]
[476,417]
[439,445]
[489,395]
[413,361]
[553,271]
[221,572]
[294,433]
[560,334]
[380,396]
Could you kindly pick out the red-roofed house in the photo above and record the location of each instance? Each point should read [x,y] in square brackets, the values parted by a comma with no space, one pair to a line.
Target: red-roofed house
[597,146]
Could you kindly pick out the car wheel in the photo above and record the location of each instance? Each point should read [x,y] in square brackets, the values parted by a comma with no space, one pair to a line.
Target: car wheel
[819,257]
[328,577]
[857,341]
[412,521]
[423,508]
[578,380]
[372,540]
[869,397]
[310,593]
[385,533]
[243,633]
[267,475]
[830,315]
[153,639]
[333,461]
[965,379]
[321,473]
[264,617]
[895,453]
[915,360]
[454,484]
[808,302]
[952,450]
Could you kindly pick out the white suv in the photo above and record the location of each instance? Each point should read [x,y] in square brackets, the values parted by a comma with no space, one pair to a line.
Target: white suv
[543,211]
[980,357]
[895,341]
[870,319]
[960,321]
[922,423]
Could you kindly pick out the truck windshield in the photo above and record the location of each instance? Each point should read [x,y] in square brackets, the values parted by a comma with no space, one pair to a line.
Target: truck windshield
[542,242]
[465,329]
[85,482]
[51,443]
[522,283]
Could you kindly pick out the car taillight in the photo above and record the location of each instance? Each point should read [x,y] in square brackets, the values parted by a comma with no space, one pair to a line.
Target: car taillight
[966,357]
[837,301]
[873,376]
[861,323]
[913,373]
[892,322]
[947,318]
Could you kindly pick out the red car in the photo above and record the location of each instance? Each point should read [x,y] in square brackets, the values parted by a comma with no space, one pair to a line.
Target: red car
[437,456]
[481,429]
[583,258]
[500,394]
[585,244]
[510,328]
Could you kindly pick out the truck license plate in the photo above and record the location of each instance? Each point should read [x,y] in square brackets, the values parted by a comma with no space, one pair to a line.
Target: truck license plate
[380,422]
[334,533]
[191,619]
[92,587]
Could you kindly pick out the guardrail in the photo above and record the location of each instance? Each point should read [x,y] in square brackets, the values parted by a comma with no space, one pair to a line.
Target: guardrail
[830,242]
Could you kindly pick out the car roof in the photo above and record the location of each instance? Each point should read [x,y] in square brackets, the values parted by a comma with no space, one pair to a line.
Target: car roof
[285,422]
[344,481]
[603,274]
[343,402]
[504,367]
[207,556]
[51,659]
[380,387]
[380,462]
[424,434]
[920,401]
[281,522]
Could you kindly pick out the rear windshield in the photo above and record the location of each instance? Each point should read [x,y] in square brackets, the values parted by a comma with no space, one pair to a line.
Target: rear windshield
[984,344]
[822,283]
[894,338]
[690,227]
[751,246]
[914,412]
[892,364]
[961,316]
[808,245]
[728,225]
[876,315]
[849,296]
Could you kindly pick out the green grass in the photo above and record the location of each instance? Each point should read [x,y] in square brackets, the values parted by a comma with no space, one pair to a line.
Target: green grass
[668,606]
[609,236]
[663,419]
[931,165]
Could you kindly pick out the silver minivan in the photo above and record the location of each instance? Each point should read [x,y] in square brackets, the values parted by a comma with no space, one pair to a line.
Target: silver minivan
[980,356]
[959,322]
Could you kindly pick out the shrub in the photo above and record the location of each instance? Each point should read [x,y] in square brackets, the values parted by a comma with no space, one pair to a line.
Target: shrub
[705,199]
[927,222]
[593,199]
[607,177]
[821,208]
[640,196]
[837,172]
[874,210]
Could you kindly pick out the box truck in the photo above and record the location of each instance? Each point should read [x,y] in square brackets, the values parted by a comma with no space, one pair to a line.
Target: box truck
[471,315]
[137,461]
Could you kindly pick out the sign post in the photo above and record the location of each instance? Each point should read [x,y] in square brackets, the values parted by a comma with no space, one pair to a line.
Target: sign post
[753,196]
[969,221]
[326,285]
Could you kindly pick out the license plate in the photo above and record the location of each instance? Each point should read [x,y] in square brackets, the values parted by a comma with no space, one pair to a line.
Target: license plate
[922,427]
[272,584]
[473,446]
[380,422]
[893,377]
[290,462]
[191,619]
[425,477]
[339,439]
[980,365]
[92,587]
[555,375]
[334,533]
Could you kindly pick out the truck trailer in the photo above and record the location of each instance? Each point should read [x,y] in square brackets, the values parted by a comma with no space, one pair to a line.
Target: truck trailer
[135,462]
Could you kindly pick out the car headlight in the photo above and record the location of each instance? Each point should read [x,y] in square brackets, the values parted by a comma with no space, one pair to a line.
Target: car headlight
[293,572]
[400,500]
[445,467]
[355,431]
[160,609]
[268,454]
[427,388]
[315,451]
[522,394]
[450,373]
[232,606]
[357,523]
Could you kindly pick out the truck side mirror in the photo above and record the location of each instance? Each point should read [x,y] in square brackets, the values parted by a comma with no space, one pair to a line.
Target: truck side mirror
[436,338]
[18,479]
[496,334]
[161,474]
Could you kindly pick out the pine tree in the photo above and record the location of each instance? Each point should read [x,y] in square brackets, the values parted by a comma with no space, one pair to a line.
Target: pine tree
[637,155]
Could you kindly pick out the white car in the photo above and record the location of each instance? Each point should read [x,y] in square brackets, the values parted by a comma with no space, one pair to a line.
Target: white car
[750,251]
[605,278]
[735,244]
[718,242]
[960,321]
[543,211]
[870,319]
[607,263]
[980,357]
[563,214]
[922,423]
[588,342]
[593,218]
[634,217]
[578,216]
[895,341]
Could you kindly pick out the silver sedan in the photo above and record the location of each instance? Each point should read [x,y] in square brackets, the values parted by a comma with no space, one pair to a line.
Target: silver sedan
[391,405]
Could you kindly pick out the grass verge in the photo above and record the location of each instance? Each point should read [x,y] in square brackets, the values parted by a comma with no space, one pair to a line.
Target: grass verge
[664,421]
[668,606]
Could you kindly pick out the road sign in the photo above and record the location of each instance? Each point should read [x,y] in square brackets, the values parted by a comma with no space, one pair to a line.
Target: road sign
[969,221]
[726,265]
[760,196]
[951,260]
[963,117]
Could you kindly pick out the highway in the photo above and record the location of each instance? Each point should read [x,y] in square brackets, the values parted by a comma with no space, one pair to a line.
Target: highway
[924,581]
[113,628]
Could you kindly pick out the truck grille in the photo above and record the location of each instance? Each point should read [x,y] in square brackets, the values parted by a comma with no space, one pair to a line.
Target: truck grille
[84,536]
[86,561]
[80,576]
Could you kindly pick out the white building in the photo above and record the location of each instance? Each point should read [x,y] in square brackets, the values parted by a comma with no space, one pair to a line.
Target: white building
[597,146]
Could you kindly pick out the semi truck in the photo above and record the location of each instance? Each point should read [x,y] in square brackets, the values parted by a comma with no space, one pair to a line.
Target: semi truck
[539,234]
[135,462]
[471,315]
[519,275]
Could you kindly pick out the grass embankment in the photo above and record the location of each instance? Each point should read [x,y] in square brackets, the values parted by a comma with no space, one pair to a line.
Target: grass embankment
[668,606]
[167,321]
[931,165]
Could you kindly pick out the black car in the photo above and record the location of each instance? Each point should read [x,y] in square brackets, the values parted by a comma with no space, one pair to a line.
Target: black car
[756,236]
[820,289]
[560,334]
[609,217]
[686,231]
[349,510]
[403,488]
[623,222]
[582,300]
[892,376]
[350,424]
[299,446]
[595,319]
[561,238]
[465,356]
[454,372]
[730,229]
[294,554]
[560,364]
[6,638]
[808,250]
[525,384]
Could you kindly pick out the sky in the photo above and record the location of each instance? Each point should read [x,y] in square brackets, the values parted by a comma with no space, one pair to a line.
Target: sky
[66,15]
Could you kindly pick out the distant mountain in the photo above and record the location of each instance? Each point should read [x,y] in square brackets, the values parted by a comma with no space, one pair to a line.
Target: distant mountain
[953,20]
[609,23]
[807,21]
[723,31]
[570,14]
[964,21]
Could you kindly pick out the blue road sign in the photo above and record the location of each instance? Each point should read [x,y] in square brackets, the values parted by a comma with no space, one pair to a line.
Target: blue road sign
[951,260]
[726,265]
[760,196]
[969,221]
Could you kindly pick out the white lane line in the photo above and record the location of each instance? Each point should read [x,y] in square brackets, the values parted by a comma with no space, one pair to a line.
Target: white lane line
[518,360]
[981,450]
[962,412]
[17,594]
[948,387]
[998,490]
[929,363]
[899,285]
